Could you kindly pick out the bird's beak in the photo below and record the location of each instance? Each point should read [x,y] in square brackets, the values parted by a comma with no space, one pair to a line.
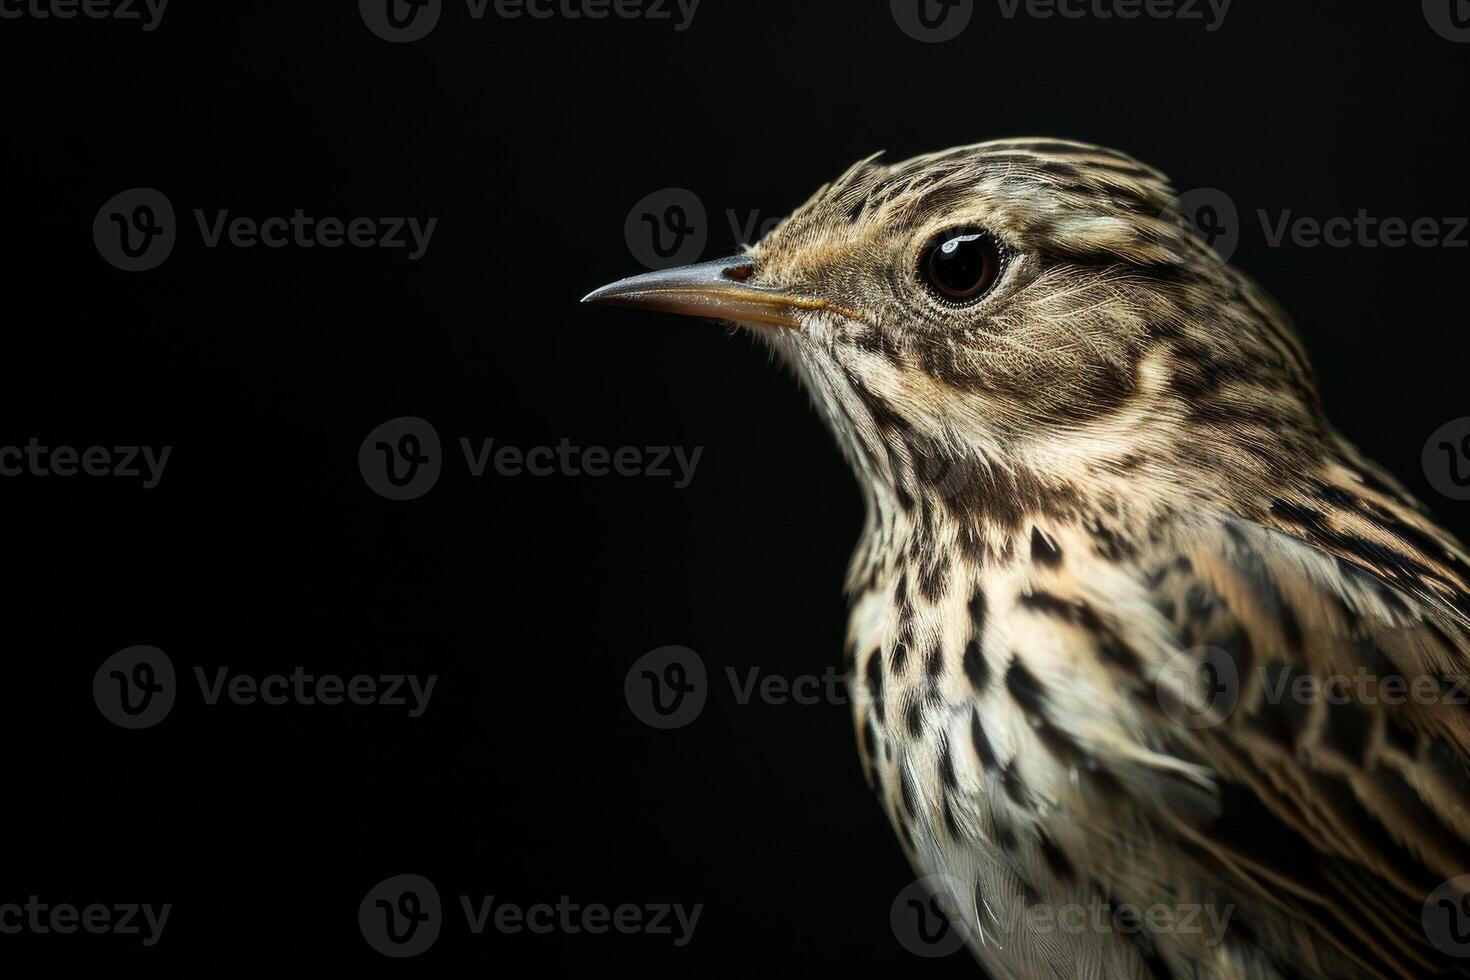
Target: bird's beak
[719,290]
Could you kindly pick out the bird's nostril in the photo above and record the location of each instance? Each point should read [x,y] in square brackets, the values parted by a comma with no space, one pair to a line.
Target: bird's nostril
[741,272]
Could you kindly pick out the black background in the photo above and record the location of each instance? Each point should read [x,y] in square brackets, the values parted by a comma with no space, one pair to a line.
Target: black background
[262,548]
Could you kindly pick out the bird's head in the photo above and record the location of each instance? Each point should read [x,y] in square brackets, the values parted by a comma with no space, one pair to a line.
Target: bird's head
[1035,311]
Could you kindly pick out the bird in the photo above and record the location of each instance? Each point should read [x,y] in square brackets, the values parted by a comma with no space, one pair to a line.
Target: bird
[1131,624]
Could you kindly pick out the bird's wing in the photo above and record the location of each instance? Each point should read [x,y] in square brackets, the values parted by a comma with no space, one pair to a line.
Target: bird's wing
[1321,680]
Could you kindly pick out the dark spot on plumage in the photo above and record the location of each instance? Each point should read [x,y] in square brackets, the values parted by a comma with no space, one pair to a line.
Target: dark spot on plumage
[884,416]
[1056,742]
[1372,481]
[1107,544]
[1199,605]
[1282,714]
[1167,609]
[1400,739]
[981,742]
[950,824]
[1291,627]
[1112,649]
[1414,818]
[933,576]
[1056,861]
[1348,731]
[875,683]
[1029,894]
[972,545]
[870,738]
[849,656]
[977,612]
[1015,786]
[1075,612]
[1025,688]
[976,669]
[1148,951]
[1104,784]
[1003,836]
[1006,499]
[934,661]
[914,717]
[1451,647]
[946,766]
[1044,550]
[900,656]
[1446,765]
[1335,496]
[905,500]
[1232,651]
[906,791]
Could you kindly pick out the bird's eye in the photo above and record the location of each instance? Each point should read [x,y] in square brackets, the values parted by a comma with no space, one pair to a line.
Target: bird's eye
[962,266]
